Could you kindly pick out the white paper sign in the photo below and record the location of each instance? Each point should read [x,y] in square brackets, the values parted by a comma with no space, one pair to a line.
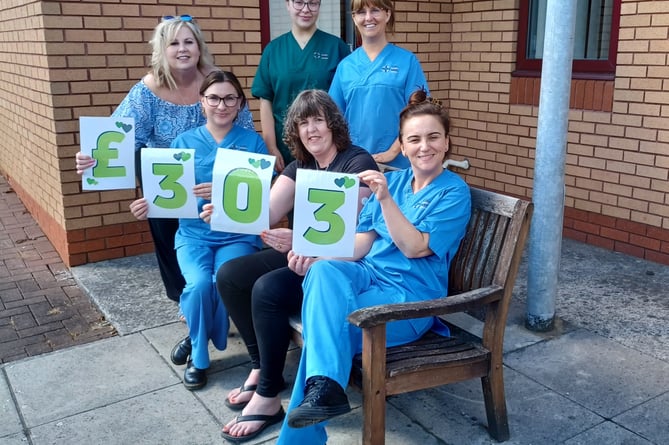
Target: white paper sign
[240,191]
[325,213]
[168,178]
[111,142]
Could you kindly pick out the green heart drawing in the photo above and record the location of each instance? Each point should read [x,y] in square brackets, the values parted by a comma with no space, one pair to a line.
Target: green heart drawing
[177,156]
[91,181]
[254,162]
[185,156]
[344,181]
[125,127]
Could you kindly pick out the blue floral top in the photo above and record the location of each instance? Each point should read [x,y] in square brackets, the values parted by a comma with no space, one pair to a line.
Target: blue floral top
[158,122]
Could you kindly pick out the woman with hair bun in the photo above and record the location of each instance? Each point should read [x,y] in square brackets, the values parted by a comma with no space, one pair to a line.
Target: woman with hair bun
[407,234]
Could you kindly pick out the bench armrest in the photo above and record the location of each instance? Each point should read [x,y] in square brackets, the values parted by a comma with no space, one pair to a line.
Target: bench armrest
[384,313]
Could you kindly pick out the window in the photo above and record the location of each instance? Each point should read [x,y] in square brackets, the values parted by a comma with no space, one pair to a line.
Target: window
[595,38]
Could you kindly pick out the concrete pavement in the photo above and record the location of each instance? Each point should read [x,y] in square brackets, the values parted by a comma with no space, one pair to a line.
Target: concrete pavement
[601,377]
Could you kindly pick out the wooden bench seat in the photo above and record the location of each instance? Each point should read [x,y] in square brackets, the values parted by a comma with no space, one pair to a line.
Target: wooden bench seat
[481,280]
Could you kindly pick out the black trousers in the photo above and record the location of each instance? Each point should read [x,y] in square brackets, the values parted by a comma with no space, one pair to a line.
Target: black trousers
[260,293]
[163,231]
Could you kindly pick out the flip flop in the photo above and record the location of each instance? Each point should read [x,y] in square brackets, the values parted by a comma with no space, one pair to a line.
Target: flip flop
[269,421]
[240,405]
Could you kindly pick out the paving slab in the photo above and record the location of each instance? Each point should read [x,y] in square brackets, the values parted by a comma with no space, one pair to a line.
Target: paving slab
[128,291]
[169,415]
[608,433]
[650,419]
[615,295]
[61,384]
[11,423]
[599,374]
[536,414]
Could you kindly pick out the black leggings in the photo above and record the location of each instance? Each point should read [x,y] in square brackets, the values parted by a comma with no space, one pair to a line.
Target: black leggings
[260,294]
[163,231]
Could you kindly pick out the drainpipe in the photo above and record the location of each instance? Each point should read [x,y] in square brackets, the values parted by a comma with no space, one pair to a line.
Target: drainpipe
[545,242]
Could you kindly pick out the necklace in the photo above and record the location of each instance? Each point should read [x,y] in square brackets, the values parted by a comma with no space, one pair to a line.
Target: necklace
[327,167]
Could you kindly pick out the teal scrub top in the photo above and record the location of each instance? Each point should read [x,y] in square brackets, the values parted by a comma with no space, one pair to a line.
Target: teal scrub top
[285,70]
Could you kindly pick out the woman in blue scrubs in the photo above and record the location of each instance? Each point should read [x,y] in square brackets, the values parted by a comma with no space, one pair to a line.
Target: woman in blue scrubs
[407,234]
[201,251]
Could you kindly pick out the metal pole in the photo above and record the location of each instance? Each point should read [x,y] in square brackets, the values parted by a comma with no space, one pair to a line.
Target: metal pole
[548,194]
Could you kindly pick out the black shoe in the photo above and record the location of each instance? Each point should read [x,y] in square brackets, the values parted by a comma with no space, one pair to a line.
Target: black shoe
[181,352]
[323,399]
[194,378]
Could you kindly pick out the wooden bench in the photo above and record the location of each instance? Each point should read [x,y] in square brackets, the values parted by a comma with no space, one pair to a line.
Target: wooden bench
[481,281]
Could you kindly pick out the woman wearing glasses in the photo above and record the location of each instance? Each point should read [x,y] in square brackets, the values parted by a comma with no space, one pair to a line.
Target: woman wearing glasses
[303,58]
[165,103]
[374,83]
[201,251]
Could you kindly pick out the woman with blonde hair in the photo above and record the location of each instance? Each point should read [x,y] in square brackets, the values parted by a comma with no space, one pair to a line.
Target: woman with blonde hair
[164,104]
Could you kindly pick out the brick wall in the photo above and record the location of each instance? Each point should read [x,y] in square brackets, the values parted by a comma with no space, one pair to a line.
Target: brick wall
[60,60]
[617,161]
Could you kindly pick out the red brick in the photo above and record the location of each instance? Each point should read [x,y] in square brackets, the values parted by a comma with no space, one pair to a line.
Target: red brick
[617,235]
[586,227]
[87,246]
[106,254]
[576,214]
[632,227]
[629,249]
[657,257]
[657,233]
[125,240]
[103,232]
[575,235]
[645,242]
[602,220]
[600,242]
[139,249]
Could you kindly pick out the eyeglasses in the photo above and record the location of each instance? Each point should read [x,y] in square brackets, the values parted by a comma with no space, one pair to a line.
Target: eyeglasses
[214,101]
[374,12]
[183,18]
[312,5]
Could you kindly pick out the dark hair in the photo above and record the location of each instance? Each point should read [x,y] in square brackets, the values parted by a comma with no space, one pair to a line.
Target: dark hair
[220,77]
[420,104]
[314,103]
[381,4]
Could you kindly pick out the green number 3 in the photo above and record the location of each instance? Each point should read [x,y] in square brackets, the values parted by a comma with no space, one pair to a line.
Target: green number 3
[171,173]
[331,200]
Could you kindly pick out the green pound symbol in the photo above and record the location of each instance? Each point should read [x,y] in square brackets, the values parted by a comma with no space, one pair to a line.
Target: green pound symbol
[103,153]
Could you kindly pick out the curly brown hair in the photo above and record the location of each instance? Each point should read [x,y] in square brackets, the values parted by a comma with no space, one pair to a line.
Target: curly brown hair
[314,103]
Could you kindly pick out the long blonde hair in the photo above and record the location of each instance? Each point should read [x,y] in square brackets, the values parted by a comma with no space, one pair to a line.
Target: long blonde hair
[163,35]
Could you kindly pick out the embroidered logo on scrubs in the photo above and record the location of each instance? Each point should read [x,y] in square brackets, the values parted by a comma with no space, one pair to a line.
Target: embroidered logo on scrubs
[236,147]
[421,205]
[390,69]
[321,56]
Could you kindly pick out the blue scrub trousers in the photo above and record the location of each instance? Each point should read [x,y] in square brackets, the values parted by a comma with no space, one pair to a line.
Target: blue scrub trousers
[332,290]
[200,303]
